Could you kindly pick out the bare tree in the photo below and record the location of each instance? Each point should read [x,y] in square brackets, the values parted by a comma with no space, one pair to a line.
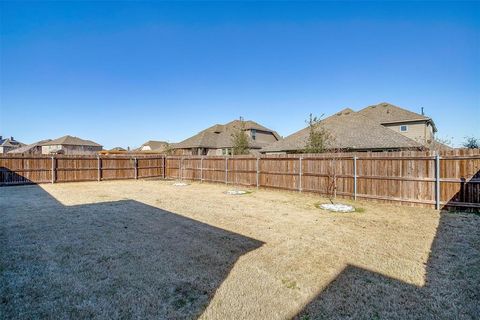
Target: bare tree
[317,136]
[440,143]
[240,139]
[334,156]
[168,150]
[320,140]
[472,143]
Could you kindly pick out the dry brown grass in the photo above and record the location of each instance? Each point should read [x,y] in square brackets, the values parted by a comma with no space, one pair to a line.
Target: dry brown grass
[148,249]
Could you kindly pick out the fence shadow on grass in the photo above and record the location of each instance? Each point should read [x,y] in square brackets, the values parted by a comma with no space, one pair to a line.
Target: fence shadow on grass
[121,259]
[468,192]
[8,178]
[450,291]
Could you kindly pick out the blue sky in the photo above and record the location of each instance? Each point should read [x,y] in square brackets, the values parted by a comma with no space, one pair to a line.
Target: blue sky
[121,73]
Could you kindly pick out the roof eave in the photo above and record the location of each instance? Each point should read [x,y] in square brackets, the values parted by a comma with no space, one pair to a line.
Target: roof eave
[410,120]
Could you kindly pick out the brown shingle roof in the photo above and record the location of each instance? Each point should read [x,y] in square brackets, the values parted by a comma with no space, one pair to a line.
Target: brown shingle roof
[220,136]
[350,130]
[72,141]
[388,113]
[155,145]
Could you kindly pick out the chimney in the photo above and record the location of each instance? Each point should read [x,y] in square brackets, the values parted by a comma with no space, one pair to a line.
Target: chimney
[11,138]
[423,112]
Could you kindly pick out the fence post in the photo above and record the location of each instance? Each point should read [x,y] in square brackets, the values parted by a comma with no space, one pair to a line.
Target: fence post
[164,167]
[201,169]
[99,168]
[226,170]
[437,182]
[136,168]
[258,173]
[300,175]
[180,169]
[54,162]
[354,177]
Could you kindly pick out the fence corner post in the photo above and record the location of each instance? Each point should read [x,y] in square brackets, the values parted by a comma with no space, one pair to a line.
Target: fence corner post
[54,165]
[355,178]
[201,169]
[300,174]
[437,181]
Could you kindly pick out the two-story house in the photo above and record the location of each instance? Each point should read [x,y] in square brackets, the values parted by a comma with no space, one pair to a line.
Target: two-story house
[217,139]
[413,125]
[9,144]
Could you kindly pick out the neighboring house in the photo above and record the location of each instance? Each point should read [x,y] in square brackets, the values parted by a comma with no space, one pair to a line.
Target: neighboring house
[349,131]
[8,144]
[34,148]
[154,146]
[217,140]
[116,150]
[410,124]
[70,145]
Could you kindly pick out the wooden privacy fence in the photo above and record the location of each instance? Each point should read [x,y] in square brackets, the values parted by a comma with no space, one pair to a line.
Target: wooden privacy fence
[449,178]
[42,169]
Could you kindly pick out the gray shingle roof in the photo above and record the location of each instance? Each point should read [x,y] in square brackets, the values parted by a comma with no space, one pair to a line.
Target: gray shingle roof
[7,142]
[72,141]
[220,136]
[350,130]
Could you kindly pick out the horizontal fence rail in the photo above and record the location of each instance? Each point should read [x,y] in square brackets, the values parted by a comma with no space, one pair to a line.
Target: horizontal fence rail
[449,178]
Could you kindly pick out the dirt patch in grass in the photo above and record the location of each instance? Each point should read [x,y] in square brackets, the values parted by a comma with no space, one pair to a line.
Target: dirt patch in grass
[147,249]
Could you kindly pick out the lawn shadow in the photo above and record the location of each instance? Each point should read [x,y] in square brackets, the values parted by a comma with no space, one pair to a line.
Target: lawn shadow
[468,194]
[451,289]
[13,178]
[121,259]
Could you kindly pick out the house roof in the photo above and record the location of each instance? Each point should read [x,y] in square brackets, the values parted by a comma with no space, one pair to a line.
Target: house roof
[349,130]
[29,147]
[220,136]
[8,142]
[386,113]
[72,141]
[153,144]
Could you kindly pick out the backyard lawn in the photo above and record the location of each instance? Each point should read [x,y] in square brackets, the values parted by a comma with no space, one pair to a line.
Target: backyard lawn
[151,250]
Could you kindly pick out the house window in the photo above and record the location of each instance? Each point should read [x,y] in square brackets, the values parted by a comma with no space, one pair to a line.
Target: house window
[254,134]
[403,128]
